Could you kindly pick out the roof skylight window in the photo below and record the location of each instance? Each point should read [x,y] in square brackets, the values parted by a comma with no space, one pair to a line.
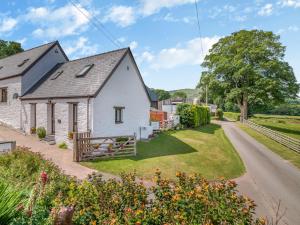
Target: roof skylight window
[22,63]
[85,70]
[56,75]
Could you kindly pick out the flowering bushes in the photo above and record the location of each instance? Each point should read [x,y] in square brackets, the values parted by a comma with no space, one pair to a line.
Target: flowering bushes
[193,115]
[187,200]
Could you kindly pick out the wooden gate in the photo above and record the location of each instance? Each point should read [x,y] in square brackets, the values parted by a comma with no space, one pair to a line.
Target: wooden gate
[86,147]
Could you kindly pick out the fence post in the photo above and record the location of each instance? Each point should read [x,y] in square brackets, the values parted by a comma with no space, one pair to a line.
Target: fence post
[76,157]
[134,136]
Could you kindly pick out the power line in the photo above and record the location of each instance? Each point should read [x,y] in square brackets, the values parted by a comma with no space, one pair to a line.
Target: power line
[199,27]
[102,28]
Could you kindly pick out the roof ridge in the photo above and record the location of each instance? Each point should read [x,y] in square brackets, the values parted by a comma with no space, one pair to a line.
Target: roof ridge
[116,50]
[52,43]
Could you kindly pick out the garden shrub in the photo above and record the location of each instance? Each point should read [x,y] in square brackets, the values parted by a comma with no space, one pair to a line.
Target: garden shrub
[41,132]
[193,115]
[220,114]
[63,145]
[187,200]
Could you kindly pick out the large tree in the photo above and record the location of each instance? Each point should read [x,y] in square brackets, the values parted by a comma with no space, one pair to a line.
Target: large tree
[162,94]
[8,48]
[248,68]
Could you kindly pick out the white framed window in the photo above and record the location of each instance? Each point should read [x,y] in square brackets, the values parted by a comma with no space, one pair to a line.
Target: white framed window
[119,114]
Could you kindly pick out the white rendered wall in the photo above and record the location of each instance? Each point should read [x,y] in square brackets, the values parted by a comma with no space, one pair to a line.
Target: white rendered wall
[123,89]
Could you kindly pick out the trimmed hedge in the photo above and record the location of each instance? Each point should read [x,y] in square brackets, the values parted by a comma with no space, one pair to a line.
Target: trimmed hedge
[193,115]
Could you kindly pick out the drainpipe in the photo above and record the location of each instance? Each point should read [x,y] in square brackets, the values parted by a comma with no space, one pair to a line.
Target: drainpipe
[88,114]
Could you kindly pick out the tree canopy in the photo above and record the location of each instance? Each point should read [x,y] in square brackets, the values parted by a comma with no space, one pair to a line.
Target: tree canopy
[248,68]
[162,94]
[179,94]
[8,48]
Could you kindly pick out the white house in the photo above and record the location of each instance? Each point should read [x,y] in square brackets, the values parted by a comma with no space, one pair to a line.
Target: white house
[104,93]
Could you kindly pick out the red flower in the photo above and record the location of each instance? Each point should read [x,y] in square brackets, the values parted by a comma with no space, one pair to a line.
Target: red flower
[44,177]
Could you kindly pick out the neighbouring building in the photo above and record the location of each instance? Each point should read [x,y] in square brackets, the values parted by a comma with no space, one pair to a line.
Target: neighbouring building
[104,94]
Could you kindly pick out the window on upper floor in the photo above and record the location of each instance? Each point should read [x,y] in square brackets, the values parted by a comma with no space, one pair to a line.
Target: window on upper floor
[85,70]
[119,114]
[3,94]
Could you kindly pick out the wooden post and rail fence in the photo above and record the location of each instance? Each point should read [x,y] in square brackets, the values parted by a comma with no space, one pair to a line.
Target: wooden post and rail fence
[87,148]
[289,142]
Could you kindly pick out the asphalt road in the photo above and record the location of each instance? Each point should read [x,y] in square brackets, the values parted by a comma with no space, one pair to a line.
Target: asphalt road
[269,179]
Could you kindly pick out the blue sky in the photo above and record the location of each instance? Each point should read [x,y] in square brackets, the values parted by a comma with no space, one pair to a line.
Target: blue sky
[163,34]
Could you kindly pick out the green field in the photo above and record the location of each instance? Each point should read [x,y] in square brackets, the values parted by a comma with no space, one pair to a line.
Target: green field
[232,116]
[205,150]
[288,125]
[274,146]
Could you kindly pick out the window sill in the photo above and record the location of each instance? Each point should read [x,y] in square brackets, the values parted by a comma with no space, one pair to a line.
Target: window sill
[118,122]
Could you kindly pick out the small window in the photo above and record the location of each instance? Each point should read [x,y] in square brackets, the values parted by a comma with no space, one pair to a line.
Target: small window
[85,70]
[56,75]
[22,63]
[3,94]
[1,67]
[119,114]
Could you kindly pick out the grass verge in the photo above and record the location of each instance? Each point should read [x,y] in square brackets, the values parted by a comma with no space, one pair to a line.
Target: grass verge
[288,125]
[281,150]
[205,150]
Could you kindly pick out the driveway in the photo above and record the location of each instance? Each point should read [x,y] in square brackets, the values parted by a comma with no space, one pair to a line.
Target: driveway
[61,157]
[269,178]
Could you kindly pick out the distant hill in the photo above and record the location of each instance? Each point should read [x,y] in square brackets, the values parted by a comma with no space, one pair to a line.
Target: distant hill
[191,93]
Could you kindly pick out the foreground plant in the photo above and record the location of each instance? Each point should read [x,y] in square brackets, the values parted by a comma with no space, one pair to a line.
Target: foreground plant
[10,201]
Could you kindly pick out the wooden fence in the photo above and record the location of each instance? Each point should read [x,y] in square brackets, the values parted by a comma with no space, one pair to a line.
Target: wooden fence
[87,148]
[287,141]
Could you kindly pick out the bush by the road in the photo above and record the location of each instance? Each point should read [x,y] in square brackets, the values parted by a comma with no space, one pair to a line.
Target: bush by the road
[220,114]
[193,115]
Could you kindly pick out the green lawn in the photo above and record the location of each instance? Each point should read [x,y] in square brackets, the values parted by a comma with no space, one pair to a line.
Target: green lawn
[205,150]
[284,152]
[232,116]
[288,125]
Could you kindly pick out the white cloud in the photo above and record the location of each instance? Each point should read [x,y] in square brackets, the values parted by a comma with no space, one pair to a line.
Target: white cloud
[149,7]
[133,45]
[293,28]
[121,15]
[58,22]
[80,48]
[146,56]
[170,18]
[7,24]
[22,41]
[188,53]
[289,3]
[266,10]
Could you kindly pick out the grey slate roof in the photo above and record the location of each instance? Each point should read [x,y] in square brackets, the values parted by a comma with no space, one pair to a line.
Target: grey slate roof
[67,85]
[9,65]
[152,95]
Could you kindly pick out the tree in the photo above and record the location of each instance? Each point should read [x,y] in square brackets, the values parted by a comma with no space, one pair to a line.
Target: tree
[179,94]
[8,48]
[162,94]
[248,68]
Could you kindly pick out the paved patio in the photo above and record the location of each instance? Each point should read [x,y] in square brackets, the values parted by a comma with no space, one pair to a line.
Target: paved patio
[61,157]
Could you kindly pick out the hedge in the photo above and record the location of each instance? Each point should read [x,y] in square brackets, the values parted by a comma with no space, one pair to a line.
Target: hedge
[193,115]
